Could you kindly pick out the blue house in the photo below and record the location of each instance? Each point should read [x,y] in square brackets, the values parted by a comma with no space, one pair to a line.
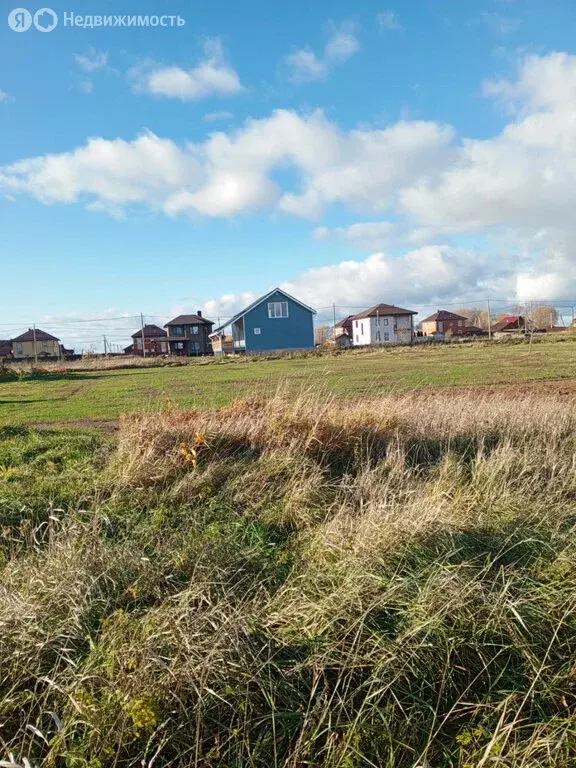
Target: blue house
[275,321]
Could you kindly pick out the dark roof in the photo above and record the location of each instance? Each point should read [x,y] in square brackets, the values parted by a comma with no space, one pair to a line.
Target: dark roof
[514,320]
[189,320]
[150,332]
[247,309]
[443,314]
[383,309]
[346,323]
[40,336]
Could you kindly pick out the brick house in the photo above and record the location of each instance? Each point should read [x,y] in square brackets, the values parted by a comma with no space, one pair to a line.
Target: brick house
[155,341]
[190,335]
[444,322]
[510,324]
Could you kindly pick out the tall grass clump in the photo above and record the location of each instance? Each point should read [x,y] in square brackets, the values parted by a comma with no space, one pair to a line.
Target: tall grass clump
[299,581]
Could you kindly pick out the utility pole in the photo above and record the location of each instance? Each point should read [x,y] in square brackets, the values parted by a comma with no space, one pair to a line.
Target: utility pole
[489,319]
[34,337]
[104,344]
[334,322]
[143,339]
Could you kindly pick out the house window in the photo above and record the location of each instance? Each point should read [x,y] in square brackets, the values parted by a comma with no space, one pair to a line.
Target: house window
[385,320]
[139,343]
[362,328]
[277,309]
[256,331]
[356,321]
[19,348]
[386,337]
[356,334]
[440,326]
[178,330]
[461,323]
[196,346]
[179,345]
[195,330]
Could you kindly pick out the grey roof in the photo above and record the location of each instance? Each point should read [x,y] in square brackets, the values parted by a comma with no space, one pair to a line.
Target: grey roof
[189,320]
[247,309]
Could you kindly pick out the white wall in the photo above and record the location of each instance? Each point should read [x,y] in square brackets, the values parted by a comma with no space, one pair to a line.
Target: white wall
[381,330]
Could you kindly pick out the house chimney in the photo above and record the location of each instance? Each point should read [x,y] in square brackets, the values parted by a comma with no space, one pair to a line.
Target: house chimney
[199,313]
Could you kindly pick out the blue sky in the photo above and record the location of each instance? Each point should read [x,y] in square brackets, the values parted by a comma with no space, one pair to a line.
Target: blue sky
[414,153]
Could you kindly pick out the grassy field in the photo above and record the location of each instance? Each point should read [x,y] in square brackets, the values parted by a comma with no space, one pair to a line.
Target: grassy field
[104,395]
[290,583]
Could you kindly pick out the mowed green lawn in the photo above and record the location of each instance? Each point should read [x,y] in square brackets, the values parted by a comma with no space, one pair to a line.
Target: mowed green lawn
[104,395]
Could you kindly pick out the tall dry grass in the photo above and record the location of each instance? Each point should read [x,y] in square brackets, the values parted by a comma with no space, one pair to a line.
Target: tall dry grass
[298,581]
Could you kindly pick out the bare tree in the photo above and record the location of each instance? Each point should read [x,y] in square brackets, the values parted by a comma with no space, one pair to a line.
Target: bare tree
[543,316]
[476,317]
[321,334]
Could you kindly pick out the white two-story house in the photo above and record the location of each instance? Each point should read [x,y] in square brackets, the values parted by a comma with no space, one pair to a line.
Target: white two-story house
[383,324]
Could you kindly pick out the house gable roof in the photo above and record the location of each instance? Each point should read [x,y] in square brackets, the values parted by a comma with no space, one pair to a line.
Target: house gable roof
[509,320]
[347,322]
[40,336]
[150,332]
[189,320]
[250,307]
[383,310]
[442,315]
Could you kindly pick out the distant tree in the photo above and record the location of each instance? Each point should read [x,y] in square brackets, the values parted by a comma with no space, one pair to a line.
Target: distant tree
[321,334]
[474,316]
[544,316]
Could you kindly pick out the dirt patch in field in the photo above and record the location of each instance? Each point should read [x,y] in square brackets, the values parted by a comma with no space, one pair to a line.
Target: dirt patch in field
[547,387]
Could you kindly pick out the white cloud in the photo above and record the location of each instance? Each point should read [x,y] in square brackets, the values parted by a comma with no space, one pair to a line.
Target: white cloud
[211,76]
[388,20]
[422,275]
[92,60]
[109,172]
[306,66]
[543,83]
[232,173]
[342,44]
[366,234]
[502,25]
[3,96]
[419,277]
[411,184]
[522,179]
[210,117]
